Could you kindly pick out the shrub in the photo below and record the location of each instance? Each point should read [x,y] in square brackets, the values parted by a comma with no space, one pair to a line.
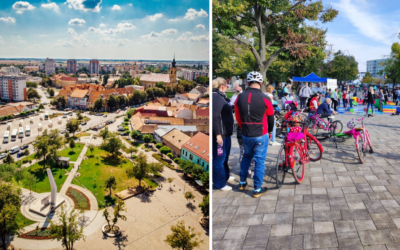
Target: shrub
[158,145]
[153,141]
[177,160]
[160,159]
[170,155]
[80,199]
[134,156]
[126,123]
[165,150]
[126,119]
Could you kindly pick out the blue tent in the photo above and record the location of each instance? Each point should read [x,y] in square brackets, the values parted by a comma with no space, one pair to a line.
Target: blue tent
[310,78]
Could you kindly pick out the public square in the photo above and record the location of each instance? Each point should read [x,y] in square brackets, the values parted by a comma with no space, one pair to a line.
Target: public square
[341,204]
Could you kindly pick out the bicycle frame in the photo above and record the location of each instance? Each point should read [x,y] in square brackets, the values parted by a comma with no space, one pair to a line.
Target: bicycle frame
[365,136]
[325,125]
[305,158]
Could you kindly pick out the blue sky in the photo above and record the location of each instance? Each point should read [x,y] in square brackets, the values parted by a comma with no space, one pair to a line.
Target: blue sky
[105,29]
[365,28]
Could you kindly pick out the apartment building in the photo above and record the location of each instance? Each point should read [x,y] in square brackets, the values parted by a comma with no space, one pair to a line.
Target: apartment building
[14,71]
[94,67]
[375,66]
[13,88]
[71,66]
[50,66]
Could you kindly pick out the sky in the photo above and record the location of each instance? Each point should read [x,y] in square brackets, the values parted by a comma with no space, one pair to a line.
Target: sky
[105,29]
[365,28]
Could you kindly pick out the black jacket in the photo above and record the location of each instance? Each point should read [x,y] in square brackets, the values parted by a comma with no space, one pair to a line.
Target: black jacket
[222,117]
[371,97]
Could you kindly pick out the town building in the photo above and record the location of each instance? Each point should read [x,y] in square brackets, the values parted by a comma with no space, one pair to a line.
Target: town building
[13,88]
[28,69]
[50,66]
[11,71]
[374,66]
[71,66]
[174,140]
[196,150]
[16,108]
[61,80]
[78,98]
[201,114]
[94,67]
[200,90]
[170,79]
[191,75]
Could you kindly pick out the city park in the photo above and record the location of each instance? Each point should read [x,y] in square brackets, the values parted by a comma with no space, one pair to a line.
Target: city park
[341,192]
[102,191]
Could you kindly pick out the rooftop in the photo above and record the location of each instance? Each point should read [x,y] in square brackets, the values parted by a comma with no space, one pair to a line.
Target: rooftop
[176,138]
[199,145]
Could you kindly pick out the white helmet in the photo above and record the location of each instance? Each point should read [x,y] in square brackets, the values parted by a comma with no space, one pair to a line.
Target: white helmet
[254,76]
[351,124]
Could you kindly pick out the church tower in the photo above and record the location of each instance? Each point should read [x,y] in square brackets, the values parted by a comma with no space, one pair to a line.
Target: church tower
[172,74]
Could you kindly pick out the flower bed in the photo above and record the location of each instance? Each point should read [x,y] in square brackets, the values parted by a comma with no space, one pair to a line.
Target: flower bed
[38,234]
[79,198]
[160,159]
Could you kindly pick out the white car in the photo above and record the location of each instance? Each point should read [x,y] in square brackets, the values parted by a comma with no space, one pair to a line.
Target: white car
[3,155]
[63,131]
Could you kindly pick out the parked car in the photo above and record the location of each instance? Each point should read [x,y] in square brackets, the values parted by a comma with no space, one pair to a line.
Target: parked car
[98,114]
[45,103]
[121,129]
[63,131]
[124,133]
[24,147]
[83,123]
[105,115]
[3,155]
[118,111]
[95,128]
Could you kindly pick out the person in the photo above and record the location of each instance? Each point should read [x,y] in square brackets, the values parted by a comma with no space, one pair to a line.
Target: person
[237,92]
[350,98]
[371,100]
[339,97]
[285,98]
[273,141]
[385,94]
[221,134]
[344,97]
[398,96]
[255,115]
[365,94]
[381,98]
[335,99]
[313,105]
[287,89]
[325,109]
[305,93]
[328,94]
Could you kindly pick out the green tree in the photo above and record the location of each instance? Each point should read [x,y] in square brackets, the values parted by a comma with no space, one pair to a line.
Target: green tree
[150,93]
[158,145]
[205,206]
[72,144]
[147,138]
[182,238]
[165,150]
[110,183]
[205,179]
[29,180]
[60,102]
[91,148]
[41,106]
[67,228]
[32,93]
[105,79]
[343,67]
[160,85]
[51,92]
[135,134]
[112,144]
[104,133]
[10,204]
[131,150]
[271,28]
[46,145]
[73,126]
[130,112]
[189,196]
[392,65]
[112,102]
[142,168]
[98,104]
[119,207]
[9,159]
[204,80]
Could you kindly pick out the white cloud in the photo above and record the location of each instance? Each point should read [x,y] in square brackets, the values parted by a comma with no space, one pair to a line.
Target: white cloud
[107,39]
[125,26]
[169,31]
[76,21]
[22,6]
[66,44]
[51,6]
[184,36]
[102,25]
[121,44]
[155,17]
[116,7]
[7,19]
[72,32]
[153,36]
[130,5]
[85,5]
[192,14]
[200,27]
[201,38]
[169,39]
[368,24]
[174,20]
[95,30]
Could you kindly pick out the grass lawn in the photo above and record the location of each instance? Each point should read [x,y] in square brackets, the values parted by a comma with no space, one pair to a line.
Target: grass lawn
[27,158]
[43,184]
[93,175]
[22,221]
[82,134]
[72,154]
[133,143]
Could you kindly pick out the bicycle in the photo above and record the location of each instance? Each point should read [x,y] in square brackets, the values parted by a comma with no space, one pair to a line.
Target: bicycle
[317,123]
[294,154]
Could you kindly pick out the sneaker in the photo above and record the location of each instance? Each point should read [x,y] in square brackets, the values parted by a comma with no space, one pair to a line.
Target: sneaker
[242,186]
[259,193]
[231,178]
[275,143]
[226,188]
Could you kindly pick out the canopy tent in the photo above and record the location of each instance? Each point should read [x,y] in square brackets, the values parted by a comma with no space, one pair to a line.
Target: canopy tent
[310,78]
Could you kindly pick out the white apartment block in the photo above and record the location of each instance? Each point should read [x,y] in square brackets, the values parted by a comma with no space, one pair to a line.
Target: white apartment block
[94,67]
[14,71]
[50,66]
[191,75]
[13,88]
[374,66]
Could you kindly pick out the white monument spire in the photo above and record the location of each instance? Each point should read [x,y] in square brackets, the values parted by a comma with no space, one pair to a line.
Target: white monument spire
[53,188]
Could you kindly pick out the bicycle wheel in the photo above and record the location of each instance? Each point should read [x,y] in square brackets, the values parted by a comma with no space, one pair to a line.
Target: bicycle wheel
[315,149]
[361,151]
[338,126]
[296,163]
[369,143]
[281,167]
[278,125]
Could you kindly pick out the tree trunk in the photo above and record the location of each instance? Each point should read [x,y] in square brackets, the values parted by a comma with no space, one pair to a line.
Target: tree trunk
[110,191]
[3,241]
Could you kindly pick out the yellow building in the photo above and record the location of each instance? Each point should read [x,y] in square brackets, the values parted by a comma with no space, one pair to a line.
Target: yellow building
[149,80]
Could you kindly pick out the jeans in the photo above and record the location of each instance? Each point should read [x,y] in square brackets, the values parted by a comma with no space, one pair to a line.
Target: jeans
[219,172]
[273,136]
[351,103]
[303,102]
[338,102]
[254,147]
[372,107]
[344,102]
[227,149]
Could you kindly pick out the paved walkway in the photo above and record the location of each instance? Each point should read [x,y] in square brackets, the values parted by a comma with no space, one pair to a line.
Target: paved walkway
[341,204]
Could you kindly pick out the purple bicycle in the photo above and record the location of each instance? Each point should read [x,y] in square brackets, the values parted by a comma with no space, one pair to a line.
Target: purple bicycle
[322,129]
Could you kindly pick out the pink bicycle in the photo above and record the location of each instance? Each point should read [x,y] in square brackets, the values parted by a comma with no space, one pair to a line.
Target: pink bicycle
[363,142]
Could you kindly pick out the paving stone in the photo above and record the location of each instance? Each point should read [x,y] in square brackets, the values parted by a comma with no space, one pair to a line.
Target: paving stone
[349,190]
[277,218]
[265,207]
[356,197]
[224,216]
[286,242]
[321,184]
[281,230]
[323,227]
[315,198]
[285,199]
[335,192]
[349,240]
[363,188]
[338,203]
[389,203]
[286,192]
[358,179]
[257,236]
[228,244]
[356,205]
[320,241]
[380,196]
[218,232]
[394,212]
[344,226]
[321,206]
[378,183]
[395,246]
[233,233]
[284,208]
[375,237]
[364,225]
[394,190]
[302,220]
[303,210]
[343,183]
[246,220]
[374,207]
[383,221]
[357,214]
[245,202]
[246,209]
[331,215]
[307,228]
[318,191]
[375,247]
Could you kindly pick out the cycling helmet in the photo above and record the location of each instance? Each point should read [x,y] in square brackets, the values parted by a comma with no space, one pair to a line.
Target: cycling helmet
[351,124]
[255,76]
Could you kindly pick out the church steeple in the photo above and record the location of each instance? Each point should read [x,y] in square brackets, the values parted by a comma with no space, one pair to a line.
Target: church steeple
[173,62]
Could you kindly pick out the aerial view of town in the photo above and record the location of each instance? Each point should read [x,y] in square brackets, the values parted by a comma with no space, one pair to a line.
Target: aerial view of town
[104,116]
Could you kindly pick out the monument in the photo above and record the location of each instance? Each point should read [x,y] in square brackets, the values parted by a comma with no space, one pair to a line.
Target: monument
[49,203]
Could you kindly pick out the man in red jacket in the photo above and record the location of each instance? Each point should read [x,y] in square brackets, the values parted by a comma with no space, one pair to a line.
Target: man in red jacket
[255,115]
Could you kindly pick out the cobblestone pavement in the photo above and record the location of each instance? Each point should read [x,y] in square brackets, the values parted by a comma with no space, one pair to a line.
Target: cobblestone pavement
[342,204]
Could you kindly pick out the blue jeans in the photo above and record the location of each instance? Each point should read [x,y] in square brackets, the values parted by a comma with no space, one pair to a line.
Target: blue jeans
[219,173]
[351,103]
[227,149]
[372,107]
[254,147]
[273,137]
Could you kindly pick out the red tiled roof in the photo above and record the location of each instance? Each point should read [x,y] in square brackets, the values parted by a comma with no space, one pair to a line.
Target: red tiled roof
[202,112]
[199,145]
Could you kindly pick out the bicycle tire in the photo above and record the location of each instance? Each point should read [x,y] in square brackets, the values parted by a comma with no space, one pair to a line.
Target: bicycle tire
[281,167]
[296,164]
[338,124]
[360,149]
[371,150]
[310,141]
